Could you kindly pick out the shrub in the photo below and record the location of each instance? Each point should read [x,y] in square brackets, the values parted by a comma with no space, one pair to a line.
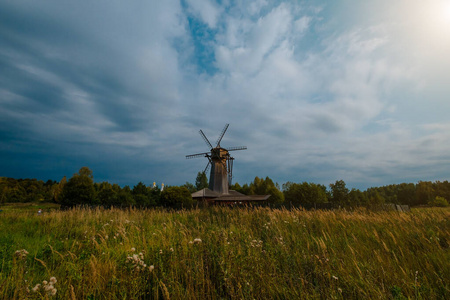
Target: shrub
[439,201]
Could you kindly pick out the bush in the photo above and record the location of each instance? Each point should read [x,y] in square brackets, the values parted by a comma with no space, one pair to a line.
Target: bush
[439,201]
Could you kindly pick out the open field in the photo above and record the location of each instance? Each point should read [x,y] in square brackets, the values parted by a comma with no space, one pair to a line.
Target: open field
[28,207]
[225,253]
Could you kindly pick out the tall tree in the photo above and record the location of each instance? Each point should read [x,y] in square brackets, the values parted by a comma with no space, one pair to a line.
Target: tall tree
[266,186]
[201,181]
[79,190]
[339,192]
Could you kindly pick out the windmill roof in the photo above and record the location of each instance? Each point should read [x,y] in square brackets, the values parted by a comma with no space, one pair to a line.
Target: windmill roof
[205,193]
[231,196]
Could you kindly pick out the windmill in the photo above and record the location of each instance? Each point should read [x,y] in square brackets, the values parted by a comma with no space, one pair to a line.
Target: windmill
[220,161]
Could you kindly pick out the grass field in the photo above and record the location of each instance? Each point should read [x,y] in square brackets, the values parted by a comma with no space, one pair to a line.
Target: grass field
[221,253]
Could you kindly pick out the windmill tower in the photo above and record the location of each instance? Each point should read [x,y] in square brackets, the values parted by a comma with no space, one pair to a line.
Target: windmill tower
[220,161]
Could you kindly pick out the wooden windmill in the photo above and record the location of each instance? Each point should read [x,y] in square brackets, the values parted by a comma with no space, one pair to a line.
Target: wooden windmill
[220,161]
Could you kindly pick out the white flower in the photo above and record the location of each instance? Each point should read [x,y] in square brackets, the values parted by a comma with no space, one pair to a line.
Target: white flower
[36,288]
[197,241]
[151,268]
[133,249]
[21,254]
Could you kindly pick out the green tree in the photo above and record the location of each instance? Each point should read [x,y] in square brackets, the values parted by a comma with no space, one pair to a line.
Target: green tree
[406,193]
[245,189]
[339,193]
[376,200]
[266,186]
[201,181]
[106,195]
[124,196]
[141,195]
[177,197]
[357,198]
[79,190]
[304,194]
[424,192]
[190,187]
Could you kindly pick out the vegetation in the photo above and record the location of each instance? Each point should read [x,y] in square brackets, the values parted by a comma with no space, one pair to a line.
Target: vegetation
[221,253]
[81,189]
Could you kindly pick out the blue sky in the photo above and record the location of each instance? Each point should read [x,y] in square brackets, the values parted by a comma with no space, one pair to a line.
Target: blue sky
[317,90]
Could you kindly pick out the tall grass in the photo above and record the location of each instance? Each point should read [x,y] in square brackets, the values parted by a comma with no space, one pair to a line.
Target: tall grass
[226,253]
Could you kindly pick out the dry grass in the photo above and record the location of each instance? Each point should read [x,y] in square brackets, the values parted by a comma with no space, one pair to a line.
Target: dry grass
[239,253]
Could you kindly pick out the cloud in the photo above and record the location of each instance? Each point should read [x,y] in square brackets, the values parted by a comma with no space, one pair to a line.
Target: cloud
[208,11]
[317,94]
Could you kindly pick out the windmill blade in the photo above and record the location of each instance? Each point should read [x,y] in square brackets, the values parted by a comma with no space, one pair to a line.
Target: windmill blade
[206,154]
[205,139]
[237,148]
[222,134]
[207,167]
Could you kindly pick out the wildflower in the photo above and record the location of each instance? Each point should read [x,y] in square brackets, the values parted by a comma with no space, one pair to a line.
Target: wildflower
[160,251]
[339,290]
[21,254]
[137,262]
[171,249]
[47,287]
[133,249]
[335,277]
[191,242]
[255,243]
[197,241]
[150,268]
[36,288]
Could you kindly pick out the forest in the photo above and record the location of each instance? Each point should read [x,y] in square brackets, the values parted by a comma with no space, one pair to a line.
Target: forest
[81,189]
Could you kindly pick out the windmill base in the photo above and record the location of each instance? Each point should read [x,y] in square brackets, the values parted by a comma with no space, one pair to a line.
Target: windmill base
[230,198]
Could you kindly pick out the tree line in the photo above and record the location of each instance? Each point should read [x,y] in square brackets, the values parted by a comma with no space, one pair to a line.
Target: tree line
[81,189]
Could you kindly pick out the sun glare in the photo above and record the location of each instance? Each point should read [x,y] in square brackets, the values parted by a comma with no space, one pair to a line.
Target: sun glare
[441,14]
[434,18]
[446,12]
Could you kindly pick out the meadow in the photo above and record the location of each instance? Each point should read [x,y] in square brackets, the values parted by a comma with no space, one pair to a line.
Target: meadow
[223,253]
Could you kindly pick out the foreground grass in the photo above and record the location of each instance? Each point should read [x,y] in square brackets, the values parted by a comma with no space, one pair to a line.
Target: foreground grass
[226,253]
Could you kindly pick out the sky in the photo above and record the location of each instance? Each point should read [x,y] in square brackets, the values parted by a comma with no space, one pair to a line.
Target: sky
[318,91]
